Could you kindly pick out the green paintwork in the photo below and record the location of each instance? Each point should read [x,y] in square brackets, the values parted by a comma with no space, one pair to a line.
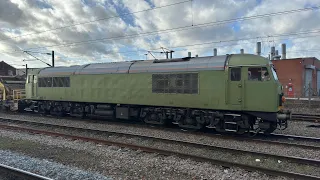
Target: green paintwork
[216,91]
[247,59]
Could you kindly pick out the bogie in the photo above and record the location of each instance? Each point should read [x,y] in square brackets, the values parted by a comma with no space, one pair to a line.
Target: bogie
[195,119]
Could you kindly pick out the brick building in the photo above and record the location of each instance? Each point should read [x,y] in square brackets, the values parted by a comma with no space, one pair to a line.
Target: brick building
[302,73]
[6,69]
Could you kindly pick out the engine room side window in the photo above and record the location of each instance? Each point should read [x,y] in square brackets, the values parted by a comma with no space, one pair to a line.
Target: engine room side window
[45,82]
[184,83]
[61,82]
[40,82]
[235,74]
[54,82]
[258,74]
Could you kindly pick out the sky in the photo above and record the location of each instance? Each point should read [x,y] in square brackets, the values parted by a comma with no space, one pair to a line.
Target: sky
[95,31]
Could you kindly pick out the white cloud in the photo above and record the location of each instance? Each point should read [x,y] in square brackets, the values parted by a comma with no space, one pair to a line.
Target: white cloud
[25,17]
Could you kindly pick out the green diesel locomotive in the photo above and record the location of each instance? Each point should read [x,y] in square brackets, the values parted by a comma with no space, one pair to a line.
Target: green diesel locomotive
[230,93]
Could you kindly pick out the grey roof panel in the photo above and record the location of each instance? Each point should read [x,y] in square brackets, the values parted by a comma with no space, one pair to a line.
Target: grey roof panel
[194,64]
[58,71]
[176,65]
[105,68]
[141,66]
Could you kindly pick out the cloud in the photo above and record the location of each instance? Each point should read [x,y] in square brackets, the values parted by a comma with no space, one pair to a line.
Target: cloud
[188,21]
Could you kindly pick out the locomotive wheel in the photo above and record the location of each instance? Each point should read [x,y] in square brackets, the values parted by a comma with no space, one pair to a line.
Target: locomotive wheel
[191,127]
[154,118]
[42,110]
[61,113]
[190,123]
[80,114]
[242,131]
[271,129]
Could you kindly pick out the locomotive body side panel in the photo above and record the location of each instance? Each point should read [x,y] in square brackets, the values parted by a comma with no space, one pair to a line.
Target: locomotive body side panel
[132,83]
[136,89]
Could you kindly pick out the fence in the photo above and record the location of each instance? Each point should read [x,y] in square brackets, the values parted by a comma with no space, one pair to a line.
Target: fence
[306,102]
[303,105]
[305,92]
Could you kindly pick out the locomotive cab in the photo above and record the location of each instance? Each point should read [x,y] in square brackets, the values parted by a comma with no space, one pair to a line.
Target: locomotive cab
[253,87]
[31,85]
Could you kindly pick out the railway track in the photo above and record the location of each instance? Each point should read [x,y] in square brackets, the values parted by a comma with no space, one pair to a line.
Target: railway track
[260,137]
[250,167]
[306,118]
[273,139]
[295,117]
[18,174]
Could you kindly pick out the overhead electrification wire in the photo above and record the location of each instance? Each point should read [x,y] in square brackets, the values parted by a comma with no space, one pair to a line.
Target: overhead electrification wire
[296,33]
[182,28]
[237,40]
[261,39]
[266,37]
[96,20]
[218,42]
[306,50]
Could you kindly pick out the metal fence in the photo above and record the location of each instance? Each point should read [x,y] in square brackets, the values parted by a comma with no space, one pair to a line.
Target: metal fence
[306,92]
[303,105]
[306,102]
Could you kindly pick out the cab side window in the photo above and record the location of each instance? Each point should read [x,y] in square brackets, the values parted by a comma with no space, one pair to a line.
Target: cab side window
[30,79]
[258,74]
[235,74]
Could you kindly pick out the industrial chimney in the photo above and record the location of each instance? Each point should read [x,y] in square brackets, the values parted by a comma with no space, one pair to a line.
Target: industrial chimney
[284,51]
[273,52]
[189,54]
[258,49]
[215,52]
[277,56]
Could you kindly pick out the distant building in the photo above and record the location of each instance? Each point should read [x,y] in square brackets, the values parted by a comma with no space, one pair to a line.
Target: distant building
[6,69]
[21,72]
[303,74]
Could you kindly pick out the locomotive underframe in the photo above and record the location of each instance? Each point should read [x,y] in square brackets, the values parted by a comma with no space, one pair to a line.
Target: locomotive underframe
[186,118]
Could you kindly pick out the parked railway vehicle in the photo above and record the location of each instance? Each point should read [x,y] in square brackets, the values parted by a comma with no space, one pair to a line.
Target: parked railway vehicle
[11,90]
[231,93]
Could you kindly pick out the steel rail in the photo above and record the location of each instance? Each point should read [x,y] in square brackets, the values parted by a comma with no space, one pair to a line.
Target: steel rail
[306,118]
[170,153]
[268,140]
[261,139]
[186,143]
[197,145]
[19,173]
[302,138]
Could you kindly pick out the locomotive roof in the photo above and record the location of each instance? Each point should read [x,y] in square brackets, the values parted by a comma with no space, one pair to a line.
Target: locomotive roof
[160,66]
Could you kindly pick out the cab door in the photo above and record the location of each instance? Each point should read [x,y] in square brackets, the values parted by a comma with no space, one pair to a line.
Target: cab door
[234,88]
[30,89]
[34,86]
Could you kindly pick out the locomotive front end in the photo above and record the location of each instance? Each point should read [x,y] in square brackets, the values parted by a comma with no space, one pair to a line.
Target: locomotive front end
[283,115]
